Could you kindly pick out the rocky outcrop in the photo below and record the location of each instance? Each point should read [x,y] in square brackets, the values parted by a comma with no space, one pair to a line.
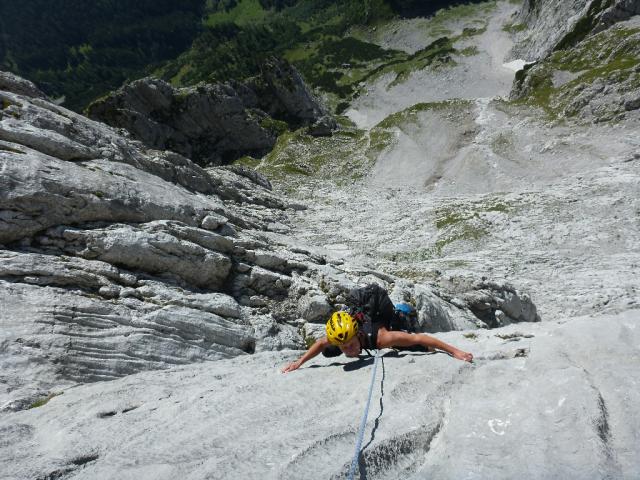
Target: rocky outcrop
[125,258]
[596,80]
[468,305]
[13,83]
[213,124]
[557,24]
[116,258]
[282,93]
[619,11]
[210,124]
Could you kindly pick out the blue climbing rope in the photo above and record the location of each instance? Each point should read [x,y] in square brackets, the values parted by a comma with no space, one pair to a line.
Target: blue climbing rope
[363,423]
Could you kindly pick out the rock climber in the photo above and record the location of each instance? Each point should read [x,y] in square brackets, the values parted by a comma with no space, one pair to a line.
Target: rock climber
[372,322]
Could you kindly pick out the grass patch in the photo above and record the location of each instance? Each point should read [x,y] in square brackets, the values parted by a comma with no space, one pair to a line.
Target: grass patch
[410,115]
[44,400]
[469,51]
[344,157]
[456,223]
[471,17]
[468,32]
[414,274]
[455,215]
[244,12]
[338,65]
[612,55]
[470,335]
[513,336]
[463,231]
[6,148]
[278,127]
[457,263]
[450,218]
[436,54]
[514,27]
[5,104]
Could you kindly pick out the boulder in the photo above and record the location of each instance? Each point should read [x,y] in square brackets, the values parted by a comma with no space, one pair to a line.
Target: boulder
[214,124]
[283,94]
[315,308]
[12,83]
[209,124]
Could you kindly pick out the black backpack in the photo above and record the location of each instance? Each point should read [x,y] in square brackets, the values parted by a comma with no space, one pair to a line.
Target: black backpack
[373,307]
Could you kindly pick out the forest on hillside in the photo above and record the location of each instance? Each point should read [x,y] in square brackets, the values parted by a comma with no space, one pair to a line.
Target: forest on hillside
[80,50]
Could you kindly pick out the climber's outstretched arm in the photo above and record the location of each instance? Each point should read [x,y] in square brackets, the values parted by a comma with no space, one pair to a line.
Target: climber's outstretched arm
[390,339]
[313,351]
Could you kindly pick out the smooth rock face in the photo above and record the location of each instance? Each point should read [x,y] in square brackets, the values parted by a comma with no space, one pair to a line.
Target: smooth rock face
[542,400]
[548,21]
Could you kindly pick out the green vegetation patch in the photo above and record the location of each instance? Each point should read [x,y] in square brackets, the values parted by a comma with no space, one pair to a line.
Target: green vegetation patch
[469,51]
[468,32]
[414,274]
[472,14]
[514,27]
[44,400]
[460,230]
[585,25]
[240,12]
[239,34]
[613,55]
[339,65]
[456,222]
[436,54]
[278,127]
[410,115]
[463,231]
[5,103]
[465,10]
[7,148]
[456,214]
[345,157]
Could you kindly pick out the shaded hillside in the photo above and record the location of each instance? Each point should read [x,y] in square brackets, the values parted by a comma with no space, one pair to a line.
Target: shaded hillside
[82,49]
[315,36]
[420,8]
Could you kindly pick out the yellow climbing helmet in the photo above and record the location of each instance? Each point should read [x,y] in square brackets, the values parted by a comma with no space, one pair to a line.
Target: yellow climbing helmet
[341,328]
